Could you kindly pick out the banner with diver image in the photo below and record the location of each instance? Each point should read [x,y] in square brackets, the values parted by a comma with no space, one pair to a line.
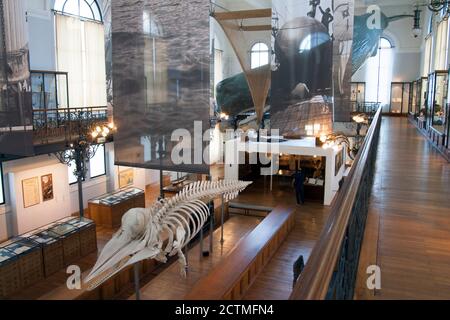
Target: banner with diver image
[302,86]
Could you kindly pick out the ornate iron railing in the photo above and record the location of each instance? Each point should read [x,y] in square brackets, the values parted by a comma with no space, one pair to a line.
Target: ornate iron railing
[54,125]
[331,270]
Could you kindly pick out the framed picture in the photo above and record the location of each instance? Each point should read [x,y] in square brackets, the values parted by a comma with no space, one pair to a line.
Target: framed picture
[47,187]
[339,162]
[30,190]
[126,178]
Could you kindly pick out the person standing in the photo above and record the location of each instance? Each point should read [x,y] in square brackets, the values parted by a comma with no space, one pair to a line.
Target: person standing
[299,184]
[327,17]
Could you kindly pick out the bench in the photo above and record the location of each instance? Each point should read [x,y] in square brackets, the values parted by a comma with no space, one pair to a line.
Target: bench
[231,279]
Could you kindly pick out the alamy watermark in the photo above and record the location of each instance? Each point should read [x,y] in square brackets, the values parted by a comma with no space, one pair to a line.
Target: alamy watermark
[263,147]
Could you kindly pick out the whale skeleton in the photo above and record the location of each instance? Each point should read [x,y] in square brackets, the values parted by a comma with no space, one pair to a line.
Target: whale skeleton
[176,220]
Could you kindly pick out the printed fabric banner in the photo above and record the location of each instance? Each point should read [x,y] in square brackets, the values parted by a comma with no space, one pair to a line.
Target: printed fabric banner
[302,86]
[16,125]
[161,63]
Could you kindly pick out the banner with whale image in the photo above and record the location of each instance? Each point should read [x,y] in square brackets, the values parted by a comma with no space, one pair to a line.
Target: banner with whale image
[302,86]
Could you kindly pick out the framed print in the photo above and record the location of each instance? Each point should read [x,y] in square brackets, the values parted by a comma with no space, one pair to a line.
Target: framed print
[47,187]
[30,190]
[126,178]
[339,162]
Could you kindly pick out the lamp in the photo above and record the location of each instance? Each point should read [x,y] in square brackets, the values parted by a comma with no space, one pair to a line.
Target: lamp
[83,147]
[417,31]
[437,5]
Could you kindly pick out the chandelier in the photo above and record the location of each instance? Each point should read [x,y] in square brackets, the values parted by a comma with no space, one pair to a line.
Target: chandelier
[438,5]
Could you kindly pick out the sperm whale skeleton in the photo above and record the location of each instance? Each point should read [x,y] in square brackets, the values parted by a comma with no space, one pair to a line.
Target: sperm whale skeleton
[176,220]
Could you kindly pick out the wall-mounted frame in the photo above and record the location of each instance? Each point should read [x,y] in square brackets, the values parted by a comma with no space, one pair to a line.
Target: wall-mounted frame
[30,192]
[47,187]
[126,178]
[339,162]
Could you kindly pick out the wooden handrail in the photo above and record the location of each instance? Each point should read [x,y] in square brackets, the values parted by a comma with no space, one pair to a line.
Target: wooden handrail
[315,279]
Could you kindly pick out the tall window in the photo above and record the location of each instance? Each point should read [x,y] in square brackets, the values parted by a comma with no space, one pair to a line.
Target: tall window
[379,74]
[97,165]
[426,67]
[259,55]
[2,192]
[441,48]
[71,171]
[80,48]
[82,8]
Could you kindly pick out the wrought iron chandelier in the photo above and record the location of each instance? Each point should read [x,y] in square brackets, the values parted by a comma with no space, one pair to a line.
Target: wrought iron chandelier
[87,133]
[438,5]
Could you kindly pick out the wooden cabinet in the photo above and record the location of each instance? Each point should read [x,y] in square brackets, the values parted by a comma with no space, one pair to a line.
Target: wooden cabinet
[40,253]
[108,209]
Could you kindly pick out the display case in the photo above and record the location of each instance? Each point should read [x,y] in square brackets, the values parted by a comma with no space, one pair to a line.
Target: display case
[40,253]
[400,92]
[413,96]
[437,100]
[21,264]
[52,250]
[358,94]
[438,116]
[108,209]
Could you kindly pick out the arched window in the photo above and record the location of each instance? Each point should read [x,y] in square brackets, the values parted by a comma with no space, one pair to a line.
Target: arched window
[151,25]
[259,55]
[88,9]
[385,43]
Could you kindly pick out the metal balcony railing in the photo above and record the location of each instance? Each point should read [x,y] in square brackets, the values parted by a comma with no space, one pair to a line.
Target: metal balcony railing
[57,125]
[331,270]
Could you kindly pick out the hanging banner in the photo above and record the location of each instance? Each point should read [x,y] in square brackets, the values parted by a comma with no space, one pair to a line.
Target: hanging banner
[343,13]
[302,89]
[161,63]
[16,125]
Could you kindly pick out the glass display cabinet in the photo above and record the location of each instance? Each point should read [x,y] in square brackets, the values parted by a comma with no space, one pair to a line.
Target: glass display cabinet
[413,96]
[437,101]
[108,209]
[399,97]
[358,94]
[422,87]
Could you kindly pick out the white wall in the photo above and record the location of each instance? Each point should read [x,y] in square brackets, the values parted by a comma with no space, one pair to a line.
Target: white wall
[15,219]
[41,29]
[407,51]
[26,219]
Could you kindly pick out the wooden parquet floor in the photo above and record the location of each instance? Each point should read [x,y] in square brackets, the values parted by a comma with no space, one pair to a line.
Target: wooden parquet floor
[408,230]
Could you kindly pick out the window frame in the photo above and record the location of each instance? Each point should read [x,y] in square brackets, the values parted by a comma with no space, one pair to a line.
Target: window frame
[2,185]
[94,2]
[76,181]
[104,162]
[260,52]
